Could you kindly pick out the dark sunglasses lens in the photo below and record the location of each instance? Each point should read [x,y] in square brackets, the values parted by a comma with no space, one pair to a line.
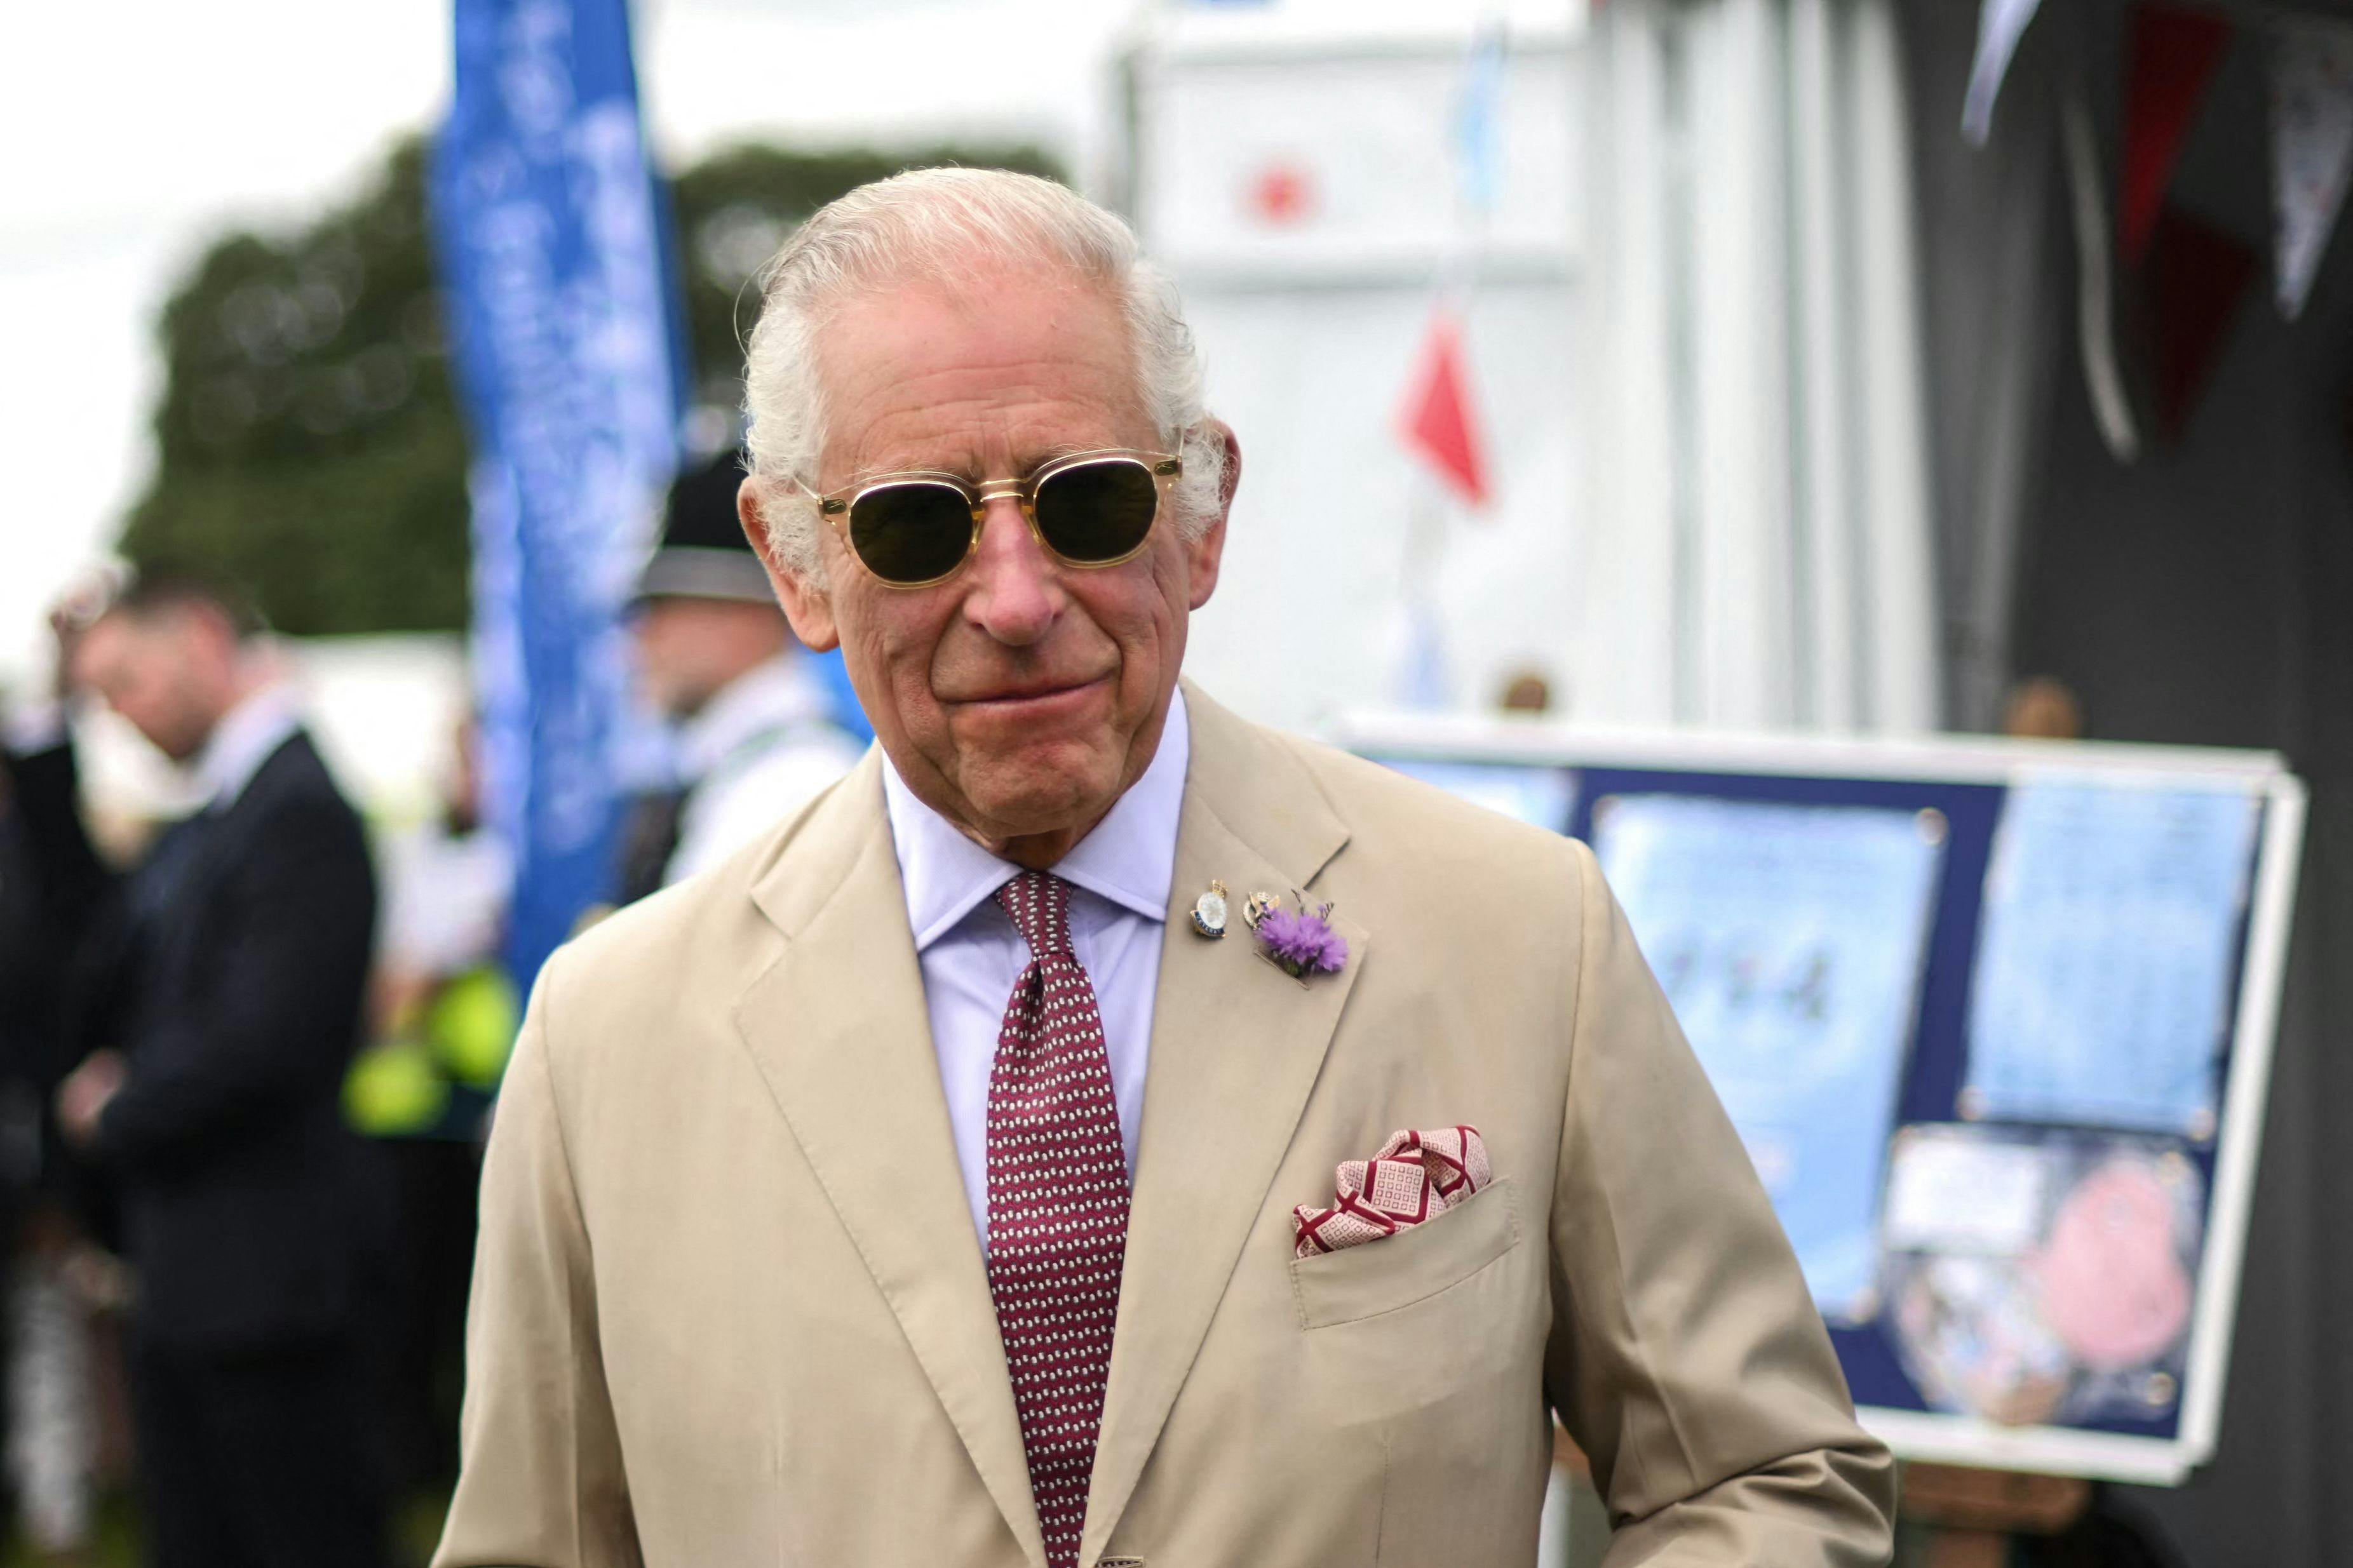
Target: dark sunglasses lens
[911,532]
[1098,511]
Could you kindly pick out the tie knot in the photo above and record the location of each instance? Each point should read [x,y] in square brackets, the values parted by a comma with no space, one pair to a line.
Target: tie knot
[1039,903]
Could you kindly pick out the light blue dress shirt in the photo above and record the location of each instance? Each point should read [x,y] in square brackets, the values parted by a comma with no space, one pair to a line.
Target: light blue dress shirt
[971,955]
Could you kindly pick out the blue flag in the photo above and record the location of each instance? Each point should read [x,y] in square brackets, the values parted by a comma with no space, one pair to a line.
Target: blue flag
[553,234]
[1478,122]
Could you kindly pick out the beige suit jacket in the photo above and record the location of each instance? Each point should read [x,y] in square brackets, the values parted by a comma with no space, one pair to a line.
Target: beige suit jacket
[730,1310]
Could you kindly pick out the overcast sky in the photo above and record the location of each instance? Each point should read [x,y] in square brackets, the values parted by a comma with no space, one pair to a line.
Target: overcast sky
[137,130]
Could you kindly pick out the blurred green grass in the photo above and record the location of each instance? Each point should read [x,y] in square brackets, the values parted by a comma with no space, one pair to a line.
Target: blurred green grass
[117,1541]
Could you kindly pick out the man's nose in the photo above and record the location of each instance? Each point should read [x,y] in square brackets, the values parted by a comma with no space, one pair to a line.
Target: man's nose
[1015,593]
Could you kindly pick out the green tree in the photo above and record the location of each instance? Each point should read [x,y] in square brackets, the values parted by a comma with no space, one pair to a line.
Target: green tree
[736,207]
[307,440]
[308,437]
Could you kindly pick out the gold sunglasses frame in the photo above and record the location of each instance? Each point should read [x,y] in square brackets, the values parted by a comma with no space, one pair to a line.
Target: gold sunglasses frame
[1166,469]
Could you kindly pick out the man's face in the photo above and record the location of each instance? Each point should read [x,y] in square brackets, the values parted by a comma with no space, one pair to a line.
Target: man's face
[689,649]
[167,673]
[1019,698]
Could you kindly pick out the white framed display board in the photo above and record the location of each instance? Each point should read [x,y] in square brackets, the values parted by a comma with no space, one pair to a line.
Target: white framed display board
[1995,1021]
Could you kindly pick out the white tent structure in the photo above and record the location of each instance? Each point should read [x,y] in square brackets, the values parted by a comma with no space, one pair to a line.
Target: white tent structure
[1689,311]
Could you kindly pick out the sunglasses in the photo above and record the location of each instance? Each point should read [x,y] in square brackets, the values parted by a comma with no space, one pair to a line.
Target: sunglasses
[1088,510]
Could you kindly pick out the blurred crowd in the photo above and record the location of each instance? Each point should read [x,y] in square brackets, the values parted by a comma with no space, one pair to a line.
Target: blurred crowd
[248,1057]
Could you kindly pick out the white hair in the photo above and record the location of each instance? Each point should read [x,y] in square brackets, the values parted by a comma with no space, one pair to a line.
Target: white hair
[931,225]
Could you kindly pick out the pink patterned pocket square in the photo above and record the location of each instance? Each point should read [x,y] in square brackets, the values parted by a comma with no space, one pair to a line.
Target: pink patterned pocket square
[1416,1176]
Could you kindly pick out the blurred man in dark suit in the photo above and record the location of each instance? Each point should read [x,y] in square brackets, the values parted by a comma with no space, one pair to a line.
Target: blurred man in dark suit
[226,1009]
[53,887]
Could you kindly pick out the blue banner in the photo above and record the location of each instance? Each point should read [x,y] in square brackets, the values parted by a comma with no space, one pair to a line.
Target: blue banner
[554,236]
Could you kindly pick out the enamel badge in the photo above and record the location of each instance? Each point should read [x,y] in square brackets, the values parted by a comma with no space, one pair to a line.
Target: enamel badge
[1209,911]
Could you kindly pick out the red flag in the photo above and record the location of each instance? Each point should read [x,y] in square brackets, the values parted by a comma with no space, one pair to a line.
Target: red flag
[2196,274]
[1439,423]
[2173,56]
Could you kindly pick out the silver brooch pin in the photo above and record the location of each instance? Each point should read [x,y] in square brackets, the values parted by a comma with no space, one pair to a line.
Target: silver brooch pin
[1209,911]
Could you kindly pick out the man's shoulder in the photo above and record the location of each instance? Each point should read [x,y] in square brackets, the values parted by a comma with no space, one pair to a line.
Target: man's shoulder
[293,804]
[293,774]
[783,757]
[760,785]
[1392,816]
[1456,899]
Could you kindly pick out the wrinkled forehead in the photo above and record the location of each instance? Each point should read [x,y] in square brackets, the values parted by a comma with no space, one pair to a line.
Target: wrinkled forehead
[998,365]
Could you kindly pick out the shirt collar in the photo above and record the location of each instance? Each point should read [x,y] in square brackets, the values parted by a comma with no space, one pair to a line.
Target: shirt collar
[769,695]
[1129,858]
[243,740]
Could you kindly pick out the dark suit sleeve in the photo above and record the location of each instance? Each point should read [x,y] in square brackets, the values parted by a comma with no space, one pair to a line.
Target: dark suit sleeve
[279,1020]
[65,867]
[62,946]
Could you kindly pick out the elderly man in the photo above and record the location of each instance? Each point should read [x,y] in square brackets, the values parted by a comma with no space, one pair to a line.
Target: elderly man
[1100,1131]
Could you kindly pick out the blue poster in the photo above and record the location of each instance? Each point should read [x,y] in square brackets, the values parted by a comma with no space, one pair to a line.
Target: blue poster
[2105,961]
[1790,940]
[551,236]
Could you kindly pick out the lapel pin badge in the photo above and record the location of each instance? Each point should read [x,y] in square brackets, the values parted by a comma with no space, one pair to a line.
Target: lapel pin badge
[1209,912]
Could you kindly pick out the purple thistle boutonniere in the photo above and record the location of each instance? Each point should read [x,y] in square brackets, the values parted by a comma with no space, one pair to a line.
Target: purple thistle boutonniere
[1302,941]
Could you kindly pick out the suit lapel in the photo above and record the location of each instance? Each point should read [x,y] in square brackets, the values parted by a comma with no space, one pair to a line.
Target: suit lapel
[1236,1047]
[838,1027]
[169,889]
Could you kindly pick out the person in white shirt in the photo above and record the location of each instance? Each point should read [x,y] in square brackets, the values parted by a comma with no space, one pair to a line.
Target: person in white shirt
[755,733]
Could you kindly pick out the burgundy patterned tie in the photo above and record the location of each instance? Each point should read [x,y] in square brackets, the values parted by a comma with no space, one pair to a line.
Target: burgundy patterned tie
[1057,1208]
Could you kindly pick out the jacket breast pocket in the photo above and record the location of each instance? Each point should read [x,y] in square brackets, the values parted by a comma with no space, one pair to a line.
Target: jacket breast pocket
[1416,1264]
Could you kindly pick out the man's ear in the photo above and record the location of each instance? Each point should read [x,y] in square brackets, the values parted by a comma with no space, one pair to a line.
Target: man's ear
[1204,551]
[805,602]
